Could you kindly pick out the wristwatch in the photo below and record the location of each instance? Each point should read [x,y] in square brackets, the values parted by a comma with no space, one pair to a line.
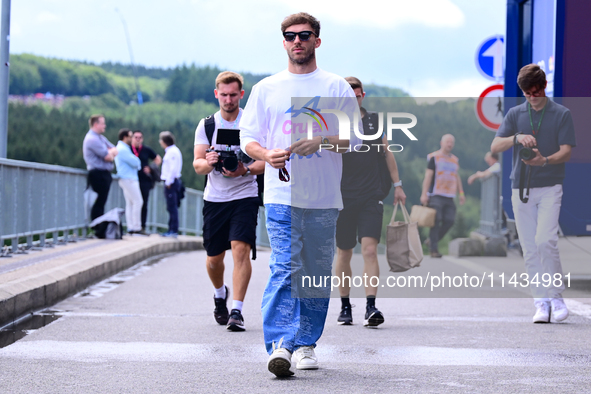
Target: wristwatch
[546,162]
[399,183]
[515,138]
[247,172]
[324,140]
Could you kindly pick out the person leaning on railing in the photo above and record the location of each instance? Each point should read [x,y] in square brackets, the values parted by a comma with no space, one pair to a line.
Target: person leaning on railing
[99,154]
[494,167]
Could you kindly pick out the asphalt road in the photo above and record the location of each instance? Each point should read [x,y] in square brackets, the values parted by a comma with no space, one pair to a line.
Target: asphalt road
[151,330]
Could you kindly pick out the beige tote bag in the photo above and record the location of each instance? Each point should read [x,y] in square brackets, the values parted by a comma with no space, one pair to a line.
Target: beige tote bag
[404,249]
[424,216]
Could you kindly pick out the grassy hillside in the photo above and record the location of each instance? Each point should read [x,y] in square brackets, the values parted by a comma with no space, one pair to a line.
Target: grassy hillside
[178,98]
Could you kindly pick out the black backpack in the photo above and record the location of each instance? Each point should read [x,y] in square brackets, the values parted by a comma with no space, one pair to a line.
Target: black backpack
[209,130]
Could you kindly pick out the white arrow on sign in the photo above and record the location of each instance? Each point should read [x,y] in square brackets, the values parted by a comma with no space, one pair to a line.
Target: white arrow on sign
[496,52]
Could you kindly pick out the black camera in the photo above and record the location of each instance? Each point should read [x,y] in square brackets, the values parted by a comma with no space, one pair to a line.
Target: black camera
[228,159]
[527,153]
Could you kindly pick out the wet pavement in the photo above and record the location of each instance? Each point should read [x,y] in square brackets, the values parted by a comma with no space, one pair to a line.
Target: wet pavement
[41,277]
[150,329]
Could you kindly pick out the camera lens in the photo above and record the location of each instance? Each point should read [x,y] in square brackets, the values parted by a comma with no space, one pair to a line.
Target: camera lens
[231,163]
[527,153]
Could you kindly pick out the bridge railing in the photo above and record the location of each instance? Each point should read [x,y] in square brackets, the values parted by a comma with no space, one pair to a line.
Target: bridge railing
[39,199]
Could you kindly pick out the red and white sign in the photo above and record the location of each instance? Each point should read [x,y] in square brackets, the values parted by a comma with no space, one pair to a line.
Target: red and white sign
[489,107]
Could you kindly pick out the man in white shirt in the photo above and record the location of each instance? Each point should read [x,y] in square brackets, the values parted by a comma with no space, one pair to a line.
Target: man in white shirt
[172,163]
[231,202]
[302,197]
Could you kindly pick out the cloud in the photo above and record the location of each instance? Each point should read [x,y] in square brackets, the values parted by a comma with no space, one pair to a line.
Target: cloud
[463,87]
[15,29]
[386,14]
[46,16]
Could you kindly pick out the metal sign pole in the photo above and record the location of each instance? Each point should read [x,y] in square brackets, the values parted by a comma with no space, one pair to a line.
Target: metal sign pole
[4,75]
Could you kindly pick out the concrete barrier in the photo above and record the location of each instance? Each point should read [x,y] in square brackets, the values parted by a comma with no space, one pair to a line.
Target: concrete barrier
[466,247]
[478,245]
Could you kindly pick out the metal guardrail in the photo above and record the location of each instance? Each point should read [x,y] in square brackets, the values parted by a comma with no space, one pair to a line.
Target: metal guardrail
[38,199]
[491,211]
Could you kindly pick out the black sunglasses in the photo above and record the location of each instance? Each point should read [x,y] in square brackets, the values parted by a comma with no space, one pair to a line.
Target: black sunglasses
[304,35]
[283,174]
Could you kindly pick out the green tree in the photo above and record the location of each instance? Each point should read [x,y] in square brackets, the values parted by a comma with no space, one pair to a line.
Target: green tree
[24,77]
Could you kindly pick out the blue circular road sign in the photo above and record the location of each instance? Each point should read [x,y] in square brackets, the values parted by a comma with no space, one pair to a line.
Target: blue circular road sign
[490,58]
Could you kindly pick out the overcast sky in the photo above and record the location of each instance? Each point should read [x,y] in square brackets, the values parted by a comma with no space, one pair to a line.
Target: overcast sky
[425,47]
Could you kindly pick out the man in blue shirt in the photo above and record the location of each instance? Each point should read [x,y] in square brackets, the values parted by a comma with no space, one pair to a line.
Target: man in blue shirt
[99,154]
[128,165]
[546,129]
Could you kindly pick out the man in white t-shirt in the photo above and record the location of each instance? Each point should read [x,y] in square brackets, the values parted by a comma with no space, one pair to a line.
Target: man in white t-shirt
[231,204]
[287,123]
[494,167]
[172,165]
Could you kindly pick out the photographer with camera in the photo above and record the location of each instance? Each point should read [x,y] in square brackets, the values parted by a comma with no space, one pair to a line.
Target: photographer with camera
[231,197]
[542,135]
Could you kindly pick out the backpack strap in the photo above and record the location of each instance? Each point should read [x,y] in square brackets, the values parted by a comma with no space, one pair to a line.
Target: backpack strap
[209,127]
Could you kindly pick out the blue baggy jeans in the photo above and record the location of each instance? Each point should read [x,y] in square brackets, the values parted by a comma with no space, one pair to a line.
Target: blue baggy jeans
[302,243]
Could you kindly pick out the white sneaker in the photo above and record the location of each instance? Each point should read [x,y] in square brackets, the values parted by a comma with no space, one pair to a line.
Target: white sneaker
[542,312]
[280,361]
[559,309]
[306,358]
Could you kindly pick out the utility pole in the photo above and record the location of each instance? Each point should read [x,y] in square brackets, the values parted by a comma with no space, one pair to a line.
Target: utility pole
[4,76]
[140,99]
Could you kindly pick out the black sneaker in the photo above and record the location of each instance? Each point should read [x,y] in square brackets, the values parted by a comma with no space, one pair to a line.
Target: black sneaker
[236,321]
[220,313]
[346,317]
[373,317]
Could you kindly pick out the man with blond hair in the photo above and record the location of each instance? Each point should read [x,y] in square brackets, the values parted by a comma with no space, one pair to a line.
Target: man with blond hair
[231,202]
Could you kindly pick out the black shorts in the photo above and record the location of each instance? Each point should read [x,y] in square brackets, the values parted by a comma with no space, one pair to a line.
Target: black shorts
[224,222]
[358,220]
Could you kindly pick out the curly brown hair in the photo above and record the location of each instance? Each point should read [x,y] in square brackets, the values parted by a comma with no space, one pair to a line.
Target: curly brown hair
[530,77]
[301,18]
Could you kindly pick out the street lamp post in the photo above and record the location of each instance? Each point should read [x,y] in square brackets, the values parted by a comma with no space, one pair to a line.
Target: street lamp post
[140,99]
[4,76]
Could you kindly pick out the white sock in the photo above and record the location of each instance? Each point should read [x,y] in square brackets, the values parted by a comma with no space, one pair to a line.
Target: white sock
[221,292]
[237,305]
